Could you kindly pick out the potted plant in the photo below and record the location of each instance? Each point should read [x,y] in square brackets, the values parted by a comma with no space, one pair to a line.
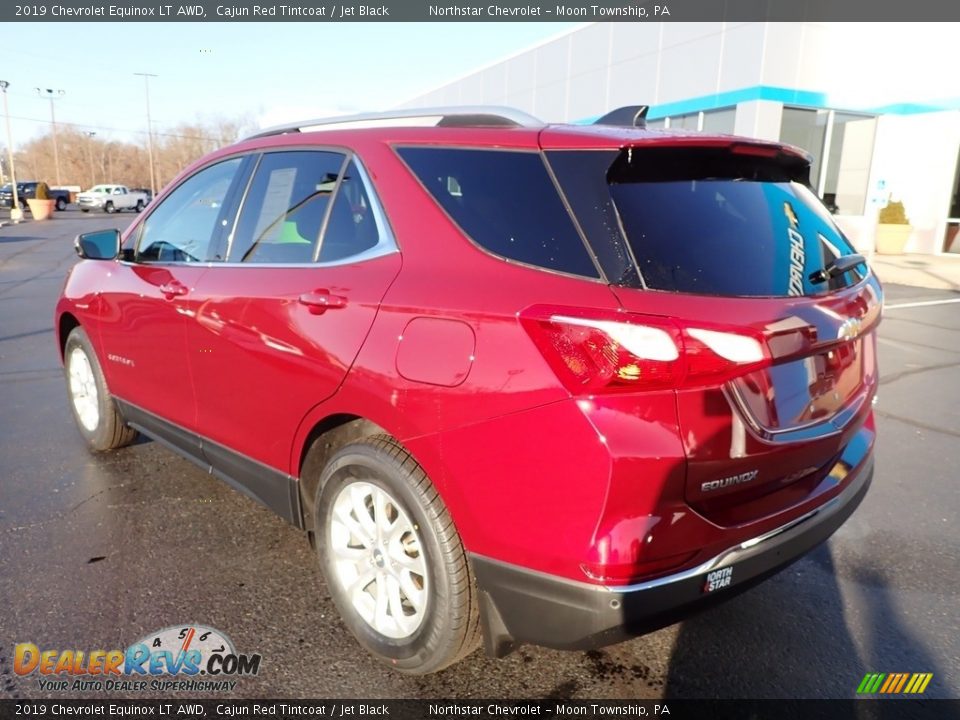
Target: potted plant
[893,229]
[41,206]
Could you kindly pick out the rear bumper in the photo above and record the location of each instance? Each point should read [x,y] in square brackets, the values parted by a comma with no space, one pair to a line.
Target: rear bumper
[523,606]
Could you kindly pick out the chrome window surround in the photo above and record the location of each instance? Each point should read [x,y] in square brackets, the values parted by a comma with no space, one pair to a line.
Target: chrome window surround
[386,243]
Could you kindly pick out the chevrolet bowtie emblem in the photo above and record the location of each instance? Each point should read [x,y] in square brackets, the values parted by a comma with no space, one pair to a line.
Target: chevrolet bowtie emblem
[850,329]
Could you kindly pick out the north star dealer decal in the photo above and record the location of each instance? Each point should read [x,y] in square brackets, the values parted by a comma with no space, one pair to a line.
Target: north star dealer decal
[797,253]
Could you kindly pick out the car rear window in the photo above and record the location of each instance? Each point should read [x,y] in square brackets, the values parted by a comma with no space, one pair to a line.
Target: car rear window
[713,221]
[505,202]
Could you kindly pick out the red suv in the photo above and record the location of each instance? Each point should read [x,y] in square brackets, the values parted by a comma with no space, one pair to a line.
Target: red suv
[522,383]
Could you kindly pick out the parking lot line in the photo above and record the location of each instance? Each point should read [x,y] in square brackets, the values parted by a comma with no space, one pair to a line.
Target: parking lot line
[925,303]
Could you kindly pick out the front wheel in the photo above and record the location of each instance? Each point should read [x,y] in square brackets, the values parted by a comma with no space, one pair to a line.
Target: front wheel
[109,208]
[393,560]
[93,407]
[139,207]
[86,210]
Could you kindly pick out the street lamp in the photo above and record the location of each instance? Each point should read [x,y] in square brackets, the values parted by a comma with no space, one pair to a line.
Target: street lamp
[90,135]
[146,85]
[52,95]
[16,214]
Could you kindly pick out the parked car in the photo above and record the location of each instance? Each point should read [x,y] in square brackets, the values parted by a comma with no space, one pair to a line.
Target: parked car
[147,193]
[528,383]
[111,199]
[27,191]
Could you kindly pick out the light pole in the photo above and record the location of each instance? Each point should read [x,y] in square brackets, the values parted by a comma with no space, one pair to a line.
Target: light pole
[16,214]
[146,85]
[52,95]
[90,135]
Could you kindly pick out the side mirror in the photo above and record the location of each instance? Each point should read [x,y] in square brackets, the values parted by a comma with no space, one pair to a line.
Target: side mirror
[98,245]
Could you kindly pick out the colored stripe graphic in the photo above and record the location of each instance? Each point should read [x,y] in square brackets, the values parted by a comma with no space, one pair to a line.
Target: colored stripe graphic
[894,683]
[903,680]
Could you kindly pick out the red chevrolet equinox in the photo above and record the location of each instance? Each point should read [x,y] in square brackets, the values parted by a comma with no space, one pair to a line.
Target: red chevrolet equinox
[520,383]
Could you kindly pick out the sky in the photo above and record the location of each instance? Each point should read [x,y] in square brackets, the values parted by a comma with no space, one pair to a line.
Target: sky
[268,73]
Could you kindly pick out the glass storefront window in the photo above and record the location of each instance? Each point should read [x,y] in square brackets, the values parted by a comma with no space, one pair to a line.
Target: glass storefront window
[685,122]
[806,129]
[720,121]
[848,163]
[842,148]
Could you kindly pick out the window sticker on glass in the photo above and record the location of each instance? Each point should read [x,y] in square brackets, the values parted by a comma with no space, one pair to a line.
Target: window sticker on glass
[276,203]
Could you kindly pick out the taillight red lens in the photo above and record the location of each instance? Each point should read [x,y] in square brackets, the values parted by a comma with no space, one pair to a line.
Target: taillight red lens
[597,351]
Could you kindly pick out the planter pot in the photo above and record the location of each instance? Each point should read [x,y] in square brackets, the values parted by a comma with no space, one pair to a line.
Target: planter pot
[891,239]
[41,209]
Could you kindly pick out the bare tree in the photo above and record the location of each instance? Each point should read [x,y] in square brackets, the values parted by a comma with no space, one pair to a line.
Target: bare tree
[86,159]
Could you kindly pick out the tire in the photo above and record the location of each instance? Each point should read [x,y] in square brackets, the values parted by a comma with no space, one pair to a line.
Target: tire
[61,204]
[109,208]
[93,407]
[423,561]
[139,207]
[86,210]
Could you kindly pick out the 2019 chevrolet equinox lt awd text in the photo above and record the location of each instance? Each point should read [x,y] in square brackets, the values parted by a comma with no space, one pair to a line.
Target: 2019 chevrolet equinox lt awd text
[521,383]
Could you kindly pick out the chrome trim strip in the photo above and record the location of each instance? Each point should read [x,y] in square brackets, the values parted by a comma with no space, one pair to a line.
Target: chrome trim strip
[386,244]
[727,556]
[720,560]
[833,425]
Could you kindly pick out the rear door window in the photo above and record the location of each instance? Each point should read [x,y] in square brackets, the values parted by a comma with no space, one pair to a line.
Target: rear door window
[707,221]
[505,202]
[285,207]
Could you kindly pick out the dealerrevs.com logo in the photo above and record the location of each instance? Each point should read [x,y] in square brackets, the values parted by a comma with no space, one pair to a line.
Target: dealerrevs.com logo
[179,657]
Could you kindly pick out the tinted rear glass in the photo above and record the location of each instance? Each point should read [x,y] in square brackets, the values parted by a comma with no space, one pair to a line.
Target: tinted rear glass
[506,202]
[709,222]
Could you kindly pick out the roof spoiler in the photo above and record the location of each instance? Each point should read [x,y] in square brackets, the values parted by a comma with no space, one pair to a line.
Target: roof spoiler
[627,116]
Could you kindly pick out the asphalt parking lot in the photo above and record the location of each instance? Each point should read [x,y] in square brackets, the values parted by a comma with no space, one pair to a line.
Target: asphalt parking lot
[97,551]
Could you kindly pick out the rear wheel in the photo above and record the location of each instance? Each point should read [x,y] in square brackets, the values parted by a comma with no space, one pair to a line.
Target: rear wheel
[93,407]
[61,203]
[84,210]
[393,560]
[139,205]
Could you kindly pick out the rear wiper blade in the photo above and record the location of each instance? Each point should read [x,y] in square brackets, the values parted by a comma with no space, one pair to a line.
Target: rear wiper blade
[838,267]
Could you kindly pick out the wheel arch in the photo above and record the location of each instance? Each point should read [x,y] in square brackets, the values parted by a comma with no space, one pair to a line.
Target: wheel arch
[65,326]
[324,439]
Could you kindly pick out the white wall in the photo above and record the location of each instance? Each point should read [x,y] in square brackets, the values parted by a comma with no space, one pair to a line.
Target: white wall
[595,68]
[916,155]
[601,66]
[759,119]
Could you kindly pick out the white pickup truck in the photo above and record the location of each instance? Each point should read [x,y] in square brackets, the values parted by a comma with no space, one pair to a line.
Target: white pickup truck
[111,199]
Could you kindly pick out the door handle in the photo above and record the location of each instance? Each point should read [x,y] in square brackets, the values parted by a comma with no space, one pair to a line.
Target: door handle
[319,301]
[172,289]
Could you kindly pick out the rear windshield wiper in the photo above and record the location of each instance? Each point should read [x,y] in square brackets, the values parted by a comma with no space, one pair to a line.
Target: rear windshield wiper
[838,267]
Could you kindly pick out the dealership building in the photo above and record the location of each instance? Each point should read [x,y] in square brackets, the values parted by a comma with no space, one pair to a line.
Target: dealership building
[877,105]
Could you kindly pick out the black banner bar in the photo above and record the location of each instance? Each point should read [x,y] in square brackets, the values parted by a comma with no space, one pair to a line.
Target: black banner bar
[482,11]
[917,708]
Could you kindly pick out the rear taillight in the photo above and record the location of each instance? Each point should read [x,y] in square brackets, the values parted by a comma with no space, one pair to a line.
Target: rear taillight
[604,351]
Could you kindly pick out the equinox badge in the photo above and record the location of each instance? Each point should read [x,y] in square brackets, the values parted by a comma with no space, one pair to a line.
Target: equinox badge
[727,482]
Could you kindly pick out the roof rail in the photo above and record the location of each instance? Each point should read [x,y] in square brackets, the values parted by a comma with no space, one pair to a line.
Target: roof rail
[463,116]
